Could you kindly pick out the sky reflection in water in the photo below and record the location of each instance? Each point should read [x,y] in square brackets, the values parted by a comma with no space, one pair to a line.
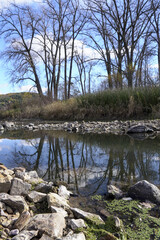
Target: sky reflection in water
[87,162]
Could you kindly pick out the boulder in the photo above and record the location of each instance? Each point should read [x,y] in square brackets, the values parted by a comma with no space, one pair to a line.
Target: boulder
[15,202]
[13,232]
[63,192]
[57,201]
[52,224]
[5,182]
[19,187]
[22,221]
[8,125]
[143,190]
[44,187]
[25,235]
[139,129]
[78,213]
[36,197]
[59,210]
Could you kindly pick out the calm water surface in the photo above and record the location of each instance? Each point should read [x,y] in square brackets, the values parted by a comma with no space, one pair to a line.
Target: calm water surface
[88,162]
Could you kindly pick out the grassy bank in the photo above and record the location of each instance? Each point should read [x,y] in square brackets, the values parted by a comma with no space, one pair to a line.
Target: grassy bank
[107,105]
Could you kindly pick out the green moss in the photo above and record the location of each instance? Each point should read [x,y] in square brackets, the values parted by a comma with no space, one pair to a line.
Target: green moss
[138,223]
[94,232]
[96,197]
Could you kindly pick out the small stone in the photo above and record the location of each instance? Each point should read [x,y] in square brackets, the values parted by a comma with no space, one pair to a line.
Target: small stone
[22,221]
[57,201]
[114,192]
[127,199]
[9,210]
[63,192]
[78,236]
[59,210]
[77,223]
[14,232]
[36,197]
[25,235]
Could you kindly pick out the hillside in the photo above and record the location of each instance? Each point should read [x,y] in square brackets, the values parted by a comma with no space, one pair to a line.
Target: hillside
[13,100]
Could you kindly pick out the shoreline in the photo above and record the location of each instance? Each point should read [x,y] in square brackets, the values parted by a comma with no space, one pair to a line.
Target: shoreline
[114,127]
[32,208]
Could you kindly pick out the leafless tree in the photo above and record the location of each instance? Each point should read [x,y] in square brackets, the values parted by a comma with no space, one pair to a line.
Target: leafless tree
[122,25]
[155,22]
[18,26]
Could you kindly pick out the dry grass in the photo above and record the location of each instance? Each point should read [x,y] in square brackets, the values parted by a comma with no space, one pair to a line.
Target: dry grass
[107,105]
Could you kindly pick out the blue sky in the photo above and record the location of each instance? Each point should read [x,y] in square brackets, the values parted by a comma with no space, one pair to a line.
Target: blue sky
[5,85]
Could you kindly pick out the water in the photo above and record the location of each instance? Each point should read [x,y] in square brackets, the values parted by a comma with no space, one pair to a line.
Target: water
[87,162]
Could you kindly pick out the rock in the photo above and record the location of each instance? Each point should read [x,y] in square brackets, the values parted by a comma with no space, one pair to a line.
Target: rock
[127,199]
[25,235]
[3,235]
[19,187]
[15,202]
[1,128]
[9,210]
[139,129]
[44,187]
[105,213]
[2,167]
[20,174]
[78,236]
[5,222]
[32,177]
[45,237]
[114,192]
[19,169]
[14,232]
[57,201]
[59,210]
[63,192]
[77,223]
[78,213]
[5,182]
[2,213]
[22,221]
[52,224]
[35,196]
[143,190]
[8,125]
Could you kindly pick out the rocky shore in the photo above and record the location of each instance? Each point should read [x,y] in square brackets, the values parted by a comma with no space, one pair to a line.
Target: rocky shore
[114,127]
[31,208]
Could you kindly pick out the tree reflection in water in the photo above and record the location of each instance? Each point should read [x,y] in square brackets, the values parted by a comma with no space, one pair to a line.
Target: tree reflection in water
[90,161]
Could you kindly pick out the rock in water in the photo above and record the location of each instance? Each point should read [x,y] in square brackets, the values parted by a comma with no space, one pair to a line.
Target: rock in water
[143,190]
